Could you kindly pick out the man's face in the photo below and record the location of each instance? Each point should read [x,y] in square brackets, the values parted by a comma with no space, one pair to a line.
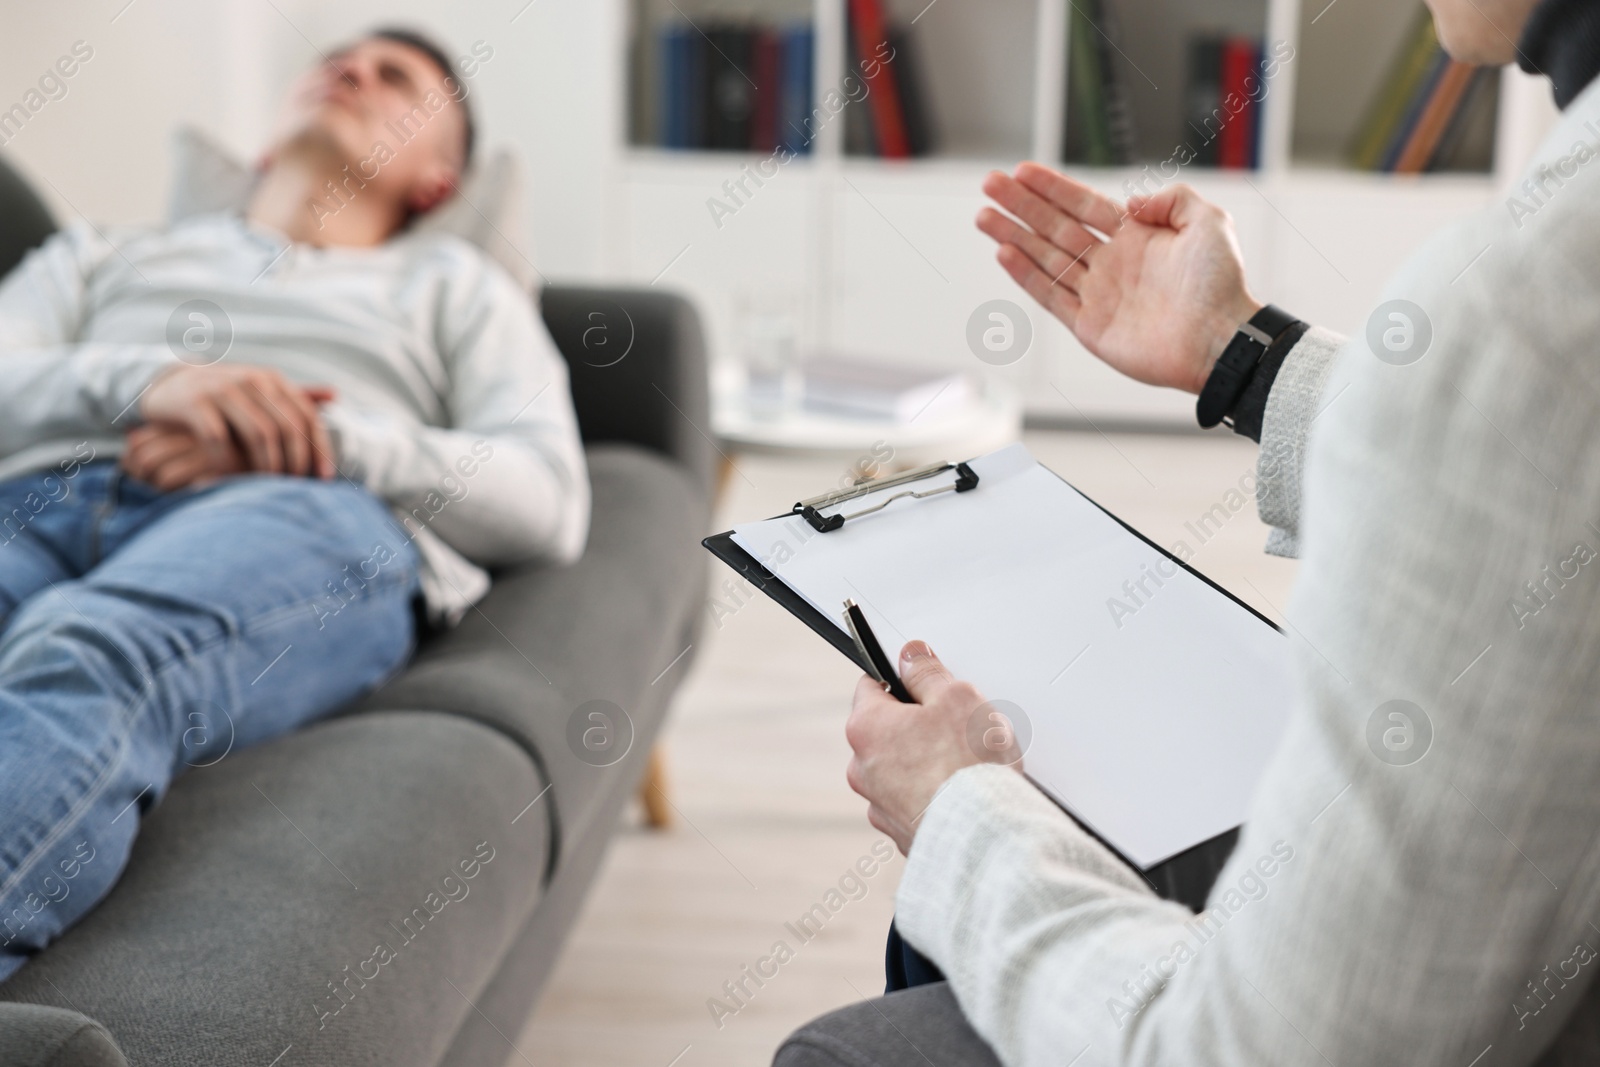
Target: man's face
[1481,31]
[390,112]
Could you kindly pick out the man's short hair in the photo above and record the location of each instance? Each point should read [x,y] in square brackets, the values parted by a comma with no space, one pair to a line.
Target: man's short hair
[425,45]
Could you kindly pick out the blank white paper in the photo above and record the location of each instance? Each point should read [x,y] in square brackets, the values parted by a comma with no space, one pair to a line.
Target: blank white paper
[1152,726]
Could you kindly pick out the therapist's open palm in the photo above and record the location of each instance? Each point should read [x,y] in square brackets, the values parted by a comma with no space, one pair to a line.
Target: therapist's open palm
[1156,291]
[904,753]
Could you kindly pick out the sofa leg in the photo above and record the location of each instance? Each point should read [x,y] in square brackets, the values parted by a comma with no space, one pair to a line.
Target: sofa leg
[653,791]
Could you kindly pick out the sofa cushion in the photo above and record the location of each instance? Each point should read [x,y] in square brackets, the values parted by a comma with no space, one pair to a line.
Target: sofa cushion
[263,892]
[33,1035]
[547,643]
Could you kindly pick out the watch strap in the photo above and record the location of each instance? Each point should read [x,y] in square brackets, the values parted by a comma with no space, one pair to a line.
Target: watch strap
[1250,411]
[1238,362]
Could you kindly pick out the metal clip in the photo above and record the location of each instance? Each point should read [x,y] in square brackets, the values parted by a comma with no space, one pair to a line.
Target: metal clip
[810,510]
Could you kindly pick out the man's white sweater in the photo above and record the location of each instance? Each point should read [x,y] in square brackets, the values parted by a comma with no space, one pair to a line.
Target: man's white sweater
[453,404]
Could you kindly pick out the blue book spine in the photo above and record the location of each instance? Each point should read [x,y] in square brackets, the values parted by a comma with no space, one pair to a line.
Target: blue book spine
[696,69]
[795,122]
[674,131]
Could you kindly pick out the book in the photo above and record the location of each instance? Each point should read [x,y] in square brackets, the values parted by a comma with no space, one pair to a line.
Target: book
[1088,122]
[1258,120]
[766,70]
[883,98]
[679,104]
[858,136]
[795,130]
[1441,107]
[1416,57]
[695,73]
[1115,105]
[861,389]
[1412,113]
[729,100]
[921,137]
[1238,107]
[1202,98]
[1468,141]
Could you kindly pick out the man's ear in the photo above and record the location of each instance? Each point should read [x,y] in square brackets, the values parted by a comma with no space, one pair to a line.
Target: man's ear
[432,188]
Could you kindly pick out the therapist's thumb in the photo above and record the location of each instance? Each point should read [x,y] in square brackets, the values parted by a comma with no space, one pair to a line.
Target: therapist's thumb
[924,676]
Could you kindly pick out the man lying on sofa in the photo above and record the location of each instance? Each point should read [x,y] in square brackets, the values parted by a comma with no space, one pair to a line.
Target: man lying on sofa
[234,454]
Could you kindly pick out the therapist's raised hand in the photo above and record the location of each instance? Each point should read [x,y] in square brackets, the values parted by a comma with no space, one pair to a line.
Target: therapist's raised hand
[1156,290]
[904,753]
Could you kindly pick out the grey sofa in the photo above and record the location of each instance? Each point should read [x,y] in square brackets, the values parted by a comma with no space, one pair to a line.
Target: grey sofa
[242,928]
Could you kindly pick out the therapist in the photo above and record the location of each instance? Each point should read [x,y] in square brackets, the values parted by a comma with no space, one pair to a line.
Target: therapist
[1430,901]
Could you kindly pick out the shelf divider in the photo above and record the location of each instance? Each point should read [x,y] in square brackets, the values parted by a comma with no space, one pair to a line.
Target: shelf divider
[829,43]
[1283,24]
[1050,82]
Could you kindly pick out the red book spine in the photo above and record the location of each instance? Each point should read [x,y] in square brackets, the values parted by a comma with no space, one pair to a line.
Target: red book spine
[888,118]
[1233,143]
[764,118]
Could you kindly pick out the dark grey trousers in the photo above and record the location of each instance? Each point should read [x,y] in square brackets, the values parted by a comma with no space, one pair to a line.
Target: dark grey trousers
[924,1026]
[912,1028]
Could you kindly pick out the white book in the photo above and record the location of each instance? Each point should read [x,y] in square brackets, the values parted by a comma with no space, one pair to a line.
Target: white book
[885,392]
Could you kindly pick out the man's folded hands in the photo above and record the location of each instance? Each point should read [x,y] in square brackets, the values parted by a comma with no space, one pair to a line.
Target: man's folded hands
[205,423]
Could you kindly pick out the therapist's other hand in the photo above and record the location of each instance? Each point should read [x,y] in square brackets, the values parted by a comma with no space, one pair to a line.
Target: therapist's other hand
[904,753]
[1156,290]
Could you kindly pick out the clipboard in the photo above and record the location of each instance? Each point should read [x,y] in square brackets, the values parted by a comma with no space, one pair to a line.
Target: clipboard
[1177,870]
[750,569]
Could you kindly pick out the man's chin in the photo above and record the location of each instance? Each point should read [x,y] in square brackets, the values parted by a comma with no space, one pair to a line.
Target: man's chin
[328,133]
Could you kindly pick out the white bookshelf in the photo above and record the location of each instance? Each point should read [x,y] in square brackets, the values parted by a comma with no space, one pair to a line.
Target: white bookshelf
[880,258]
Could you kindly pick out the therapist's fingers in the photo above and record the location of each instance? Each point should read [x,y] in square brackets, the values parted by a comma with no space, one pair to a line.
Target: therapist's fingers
[1043,217]
[1066,269]
[924,676]
[1052,295]
[1082,202]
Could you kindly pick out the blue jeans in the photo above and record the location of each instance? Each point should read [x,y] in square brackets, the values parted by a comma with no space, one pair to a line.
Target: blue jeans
[142,633]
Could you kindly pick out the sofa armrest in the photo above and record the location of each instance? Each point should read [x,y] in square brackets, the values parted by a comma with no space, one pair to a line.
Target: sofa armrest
[33,1035]
[24,220]
[638,364]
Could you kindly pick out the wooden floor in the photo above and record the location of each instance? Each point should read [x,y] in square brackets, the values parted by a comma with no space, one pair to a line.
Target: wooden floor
[766,825]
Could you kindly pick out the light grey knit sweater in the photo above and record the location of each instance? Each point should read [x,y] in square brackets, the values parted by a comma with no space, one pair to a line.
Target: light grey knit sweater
[1417,883]
[453,404]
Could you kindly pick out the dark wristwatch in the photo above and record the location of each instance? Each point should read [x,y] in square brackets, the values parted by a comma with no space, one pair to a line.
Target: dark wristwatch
[1238,362]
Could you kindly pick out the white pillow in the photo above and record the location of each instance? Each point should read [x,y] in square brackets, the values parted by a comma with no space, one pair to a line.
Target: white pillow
[487,211]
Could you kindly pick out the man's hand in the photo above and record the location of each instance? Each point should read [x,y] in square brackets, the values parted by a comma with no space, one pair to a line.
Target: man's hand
[1157,297]
[904,753]
[169,457]
[275,424]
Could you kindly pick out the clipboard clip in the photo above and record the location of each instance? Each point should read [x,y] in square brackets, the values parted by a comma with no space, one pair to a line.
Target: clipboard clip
[810,510]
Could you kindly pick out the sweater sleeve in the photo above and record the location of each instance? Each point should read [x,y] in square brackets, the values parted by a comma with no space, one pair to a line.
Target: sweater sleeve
[52,386]
[1295,401]
[506,481]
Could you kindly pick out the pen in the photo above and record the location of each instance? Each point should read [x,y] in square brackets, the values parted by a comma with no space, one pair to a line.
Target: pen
[882,667]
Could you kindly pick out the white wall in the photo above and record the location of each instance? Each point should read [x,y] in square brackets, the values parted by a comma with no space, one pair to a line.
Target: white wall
[102,149]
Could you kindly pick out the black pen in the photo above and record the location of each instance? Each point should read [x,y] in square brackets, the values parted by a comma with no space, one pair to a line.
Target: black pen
[882,667]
